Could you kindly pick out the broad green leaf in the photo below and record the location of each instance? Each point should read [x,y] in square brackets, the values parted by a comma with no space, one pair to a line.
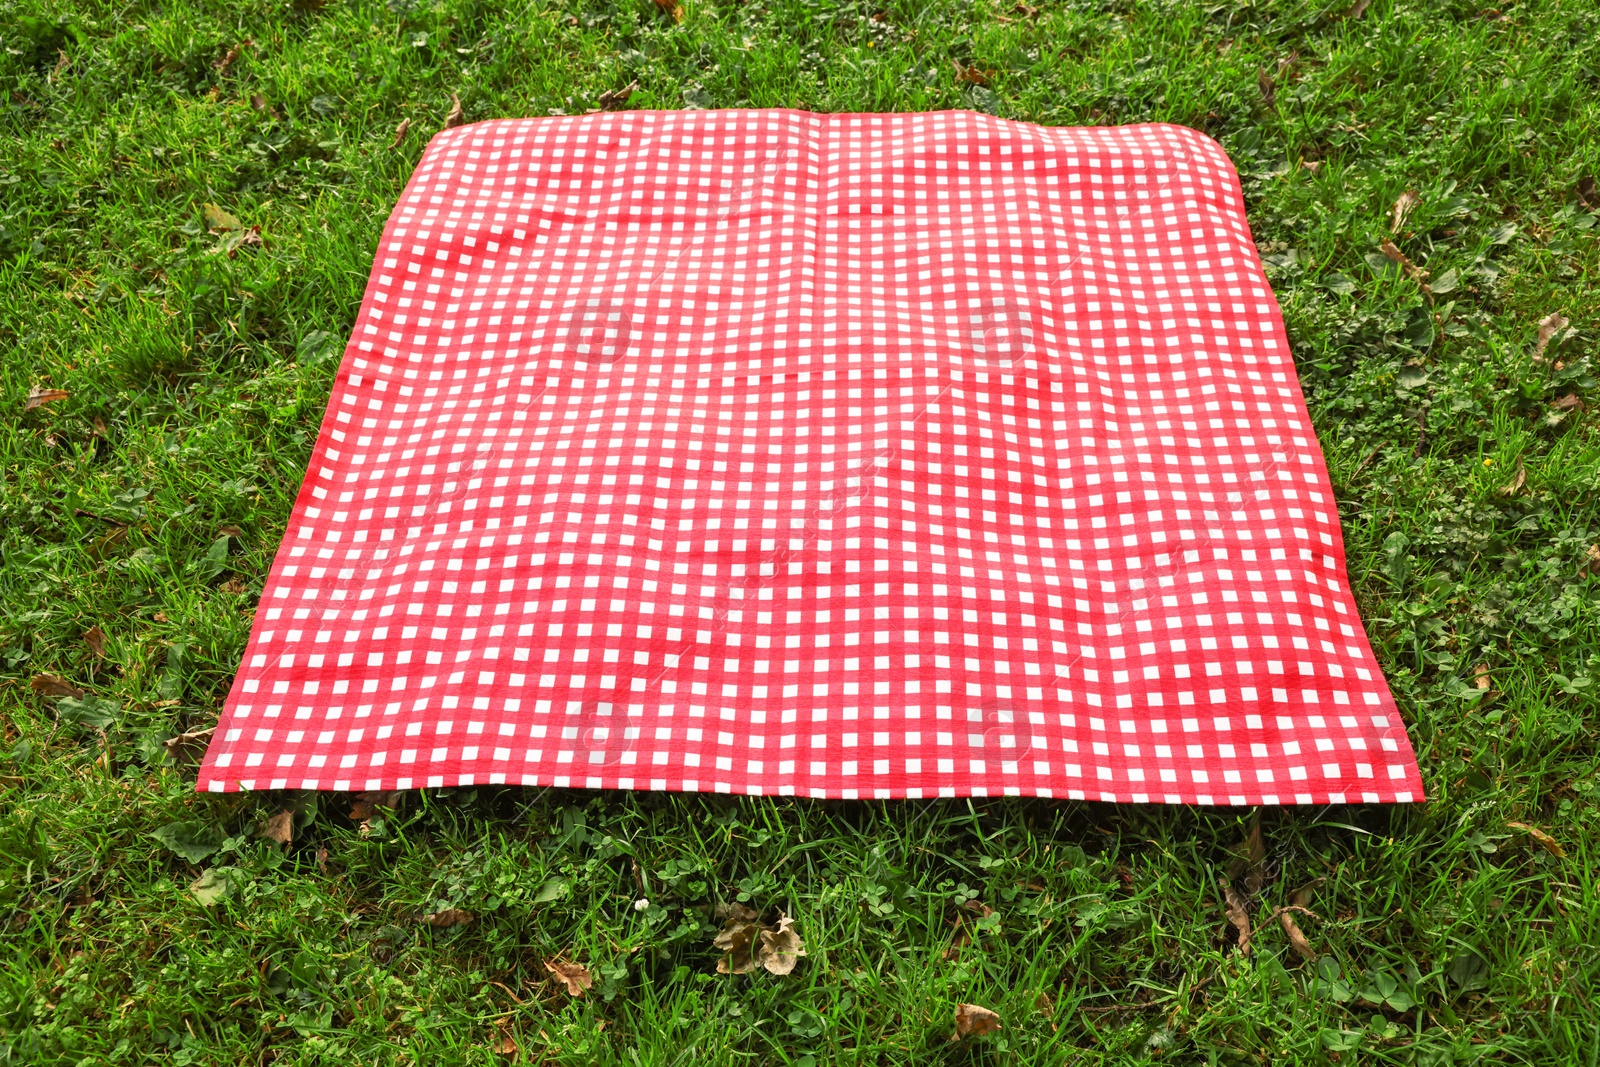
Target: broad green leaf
[210,887]
[192,840]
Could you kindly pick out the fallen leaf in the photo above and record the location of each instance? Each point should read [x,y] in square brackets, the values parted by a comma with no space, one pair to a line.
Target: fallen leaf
[447,918]
[232,54]
[1313,165]
[1297,939]
[1299,901]
[671,7]
[322,859]
[1356,9]
[781,947]
[504,1043]
[1588,194]
[612,99]
[978,908]
[366,805]
[575,976]
[1517,481]
[1549,326]
[1591,562]
[1412,271]
[1233,905]
[400,133]
[740,941]
[1044,1005]
[39,396]
[95,638]
[1265,84]
[242,239]
[1402,208]
[1569,402]
[456,116]
[958,940]
[210,887]
[974,1019]
[1551,845]
[279,828]
[53,685]
[973,75]
[1251,863]
[220,221]
[194,739]
[1480,676]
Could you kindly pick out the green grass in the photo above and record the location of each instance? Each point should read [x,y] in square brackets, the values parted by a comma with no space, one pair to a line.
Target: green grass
[149,501]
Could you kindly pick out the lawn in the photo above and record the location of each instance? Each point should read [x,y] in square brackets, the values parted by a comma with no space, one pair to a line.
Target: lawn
[190,196]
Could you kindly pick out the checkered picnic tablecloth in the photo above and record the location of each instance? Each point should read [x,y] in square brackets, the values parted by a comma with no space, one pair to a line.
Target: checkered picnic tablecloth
[827,455]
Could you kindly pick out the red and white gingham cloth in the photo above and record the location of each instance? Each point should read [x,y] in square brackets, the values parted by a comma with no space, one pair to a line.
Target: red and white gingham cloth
[826,455]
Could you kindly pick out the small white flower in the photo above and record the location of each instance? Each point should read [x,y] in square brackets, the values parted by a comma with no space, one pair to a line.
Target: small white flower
[641,904]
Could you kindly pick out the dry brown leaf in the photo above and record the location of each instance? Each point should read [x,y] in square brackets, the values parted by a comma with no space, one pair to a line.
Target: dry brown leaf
[194,739]
[1300,901]
[974,1019]
[457,116]
[1402,208]
[1250,864]
[1591,562]
[1551,845]
[739,940]
[1044,1005]
[279,828]
[1357,9]
[1588,193]
[747,943]
[1412,271]
[53,685]
[95,638]
[232,54]
[400,133]
[39,396]
[781,947]
[366,805]
[575,976]
[1233,905]
[958,940]
[447,918]
[1264,83]
[1517,481]
[245,238]
[973,75]
[1480,676]
[504,1043]
[671,7]
[1297,939]
[1569,402]
[1549,326]
[612,99]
